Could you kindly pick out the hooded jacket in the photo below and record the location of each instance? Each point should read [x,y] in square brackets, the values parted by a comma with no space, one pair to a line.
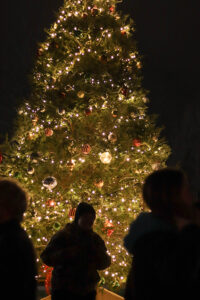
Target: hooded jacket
[165,263]
[76,255]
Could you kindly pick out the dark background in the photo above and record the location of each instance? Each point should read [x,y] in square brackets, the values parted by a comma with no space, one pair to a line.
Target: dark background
[168,38]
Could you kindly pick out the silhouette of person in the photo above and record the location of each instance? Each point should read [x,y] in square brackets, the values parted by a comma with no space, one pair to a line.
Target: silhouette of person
[17,256]
[76,253]
[164,242]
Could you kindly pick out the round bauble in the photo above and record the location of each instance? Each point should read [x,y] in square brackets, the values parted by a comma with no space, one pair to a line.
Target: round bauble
[99,183]
[51,202]
[81,94]
[40,51]
[48,132]
[112,137]
[137,143]
[50,182]
[86,149]
[60,111]
[155,166]
[114,113]
[30,170]
[112,9]
[35,156]
[56,225]
[88,111]
[105,157]
[70,165]
[35,120]
[94,11]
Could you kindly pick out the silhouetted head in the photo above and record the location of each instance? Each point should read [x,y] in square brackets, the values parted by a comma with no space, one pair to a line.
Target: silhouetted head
[85,216]
[166,192]
[13,200]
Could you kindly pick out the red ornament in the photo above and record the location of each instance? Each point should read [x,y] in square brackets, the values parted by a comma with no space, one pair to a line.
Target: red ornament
[112,9]
[109,227]
[88,111]
[51,203]
[1,158]
[86,149]
[72,212]
[110,232]
[123,32]
[124,91]
[137,143]
[48,132]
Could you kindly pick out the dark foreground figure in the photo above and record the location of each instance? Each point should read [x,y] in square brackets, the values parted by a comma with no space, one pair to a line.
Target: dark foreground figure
[165,243]
[76,253]
[17,257]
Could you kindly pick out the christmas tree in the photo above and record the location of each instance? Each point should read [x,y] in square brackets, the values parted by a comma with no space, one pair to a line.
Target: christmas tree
[84,135]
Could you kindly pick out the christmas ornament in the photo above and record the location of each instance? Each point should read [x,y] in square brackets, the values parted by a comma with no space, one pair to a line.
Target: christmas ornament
[60,111]
[63,95]
[30,136]
[70,165]
[50,182]
[42,109]
[124,91]
[133,115]
[154,138]
[48,132]
[72,212]
[105,157]
[109,227]
[56,225]
[40,51]
[30,170]
[123,32]
[86,149]
[115,113]
[88,111]
[35,156]
[99,183]
[137,143]
[112,9]
[94,11]
[51,202]
[81,94]
[103,58]
[155,166]
[112,137]
[1,158]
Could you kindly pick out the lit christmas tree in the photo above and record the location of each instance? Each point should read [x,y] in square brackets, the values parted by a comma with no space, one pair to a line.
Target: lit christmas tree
[84,135]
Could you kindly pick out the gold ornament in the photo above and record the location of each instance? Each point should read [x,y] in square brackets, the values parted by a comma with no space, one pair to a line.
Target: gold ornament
[81,94]
[30,170]
[99,183]
[112,137]
[105,157]
[70,165]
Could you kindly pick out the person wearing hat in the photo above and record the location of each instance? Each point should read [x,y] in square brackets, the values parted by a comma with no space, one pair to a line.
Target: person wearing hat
[76,252]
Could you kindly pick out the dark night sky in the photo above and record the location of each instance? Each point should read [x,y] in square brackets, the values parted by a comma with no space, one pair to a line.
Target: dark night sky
[168,38]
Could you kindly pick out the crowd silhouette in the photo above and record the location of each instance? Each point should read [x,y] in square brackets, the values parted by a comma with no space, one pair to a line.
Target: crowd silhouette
[164,242]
